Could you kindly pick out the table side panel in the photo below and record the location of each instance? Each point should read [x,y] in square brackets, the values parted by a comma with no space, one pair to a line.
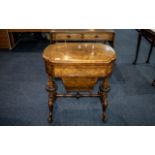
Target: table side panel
[82,70]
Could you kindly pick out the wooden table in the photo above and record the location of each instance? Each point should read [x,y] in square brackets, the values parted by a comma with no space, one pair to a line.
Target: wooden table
[79,65]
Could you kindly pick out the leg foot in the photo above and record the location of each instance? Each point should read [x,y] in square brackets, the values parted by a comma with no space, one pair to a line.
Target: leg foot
[104,117]
[50,117]
[104,106]
[50,105]
[104,88]
[51,88]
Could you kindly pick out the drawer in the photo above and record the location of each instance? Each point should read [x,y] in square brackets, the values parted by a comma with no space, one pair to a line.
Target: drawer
[99,36]
[67,36]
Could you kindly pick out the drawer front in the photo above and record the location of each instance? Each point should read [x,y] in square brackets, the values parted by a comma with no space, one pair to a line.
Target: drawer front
[99,36]
[67,36]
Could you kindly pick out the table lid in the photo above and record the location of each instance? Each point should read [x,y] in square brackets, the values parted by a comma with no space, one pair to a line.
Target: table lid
[79,53]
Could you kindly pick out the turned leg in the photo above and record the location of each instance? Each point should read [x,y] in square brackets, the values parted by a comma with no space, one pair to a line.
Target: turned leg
[51,88]
[104,88]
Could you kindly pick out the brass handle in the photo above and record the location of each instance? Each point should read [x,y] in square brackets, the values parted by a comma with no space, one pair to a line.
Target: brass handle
[96,36]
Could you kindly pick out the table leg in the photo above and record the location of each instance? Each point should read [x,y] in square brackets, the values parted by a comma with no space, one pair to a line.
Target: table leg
[150,52]
[153,83]
[51,88]
[138,45]
[104,88]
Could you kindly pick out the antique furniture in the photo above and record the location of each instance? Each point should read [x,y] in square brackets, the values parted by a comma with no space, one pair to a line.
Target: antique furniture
[79,65]
[148,34]
[89,35]
[9,40]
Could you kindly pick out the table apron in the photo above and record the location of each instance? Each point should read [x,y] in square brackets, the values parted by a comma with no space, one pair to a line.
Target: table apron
[82,71]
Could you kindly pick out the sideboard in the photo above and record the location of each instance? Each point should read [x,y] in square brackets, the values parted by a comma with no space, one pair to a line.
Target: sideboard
[71,35]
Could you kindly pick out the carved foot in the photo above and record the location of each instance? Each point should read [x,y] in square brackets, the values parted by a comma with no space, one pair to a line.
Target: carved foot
[104,117]
[50,117]
[50,105]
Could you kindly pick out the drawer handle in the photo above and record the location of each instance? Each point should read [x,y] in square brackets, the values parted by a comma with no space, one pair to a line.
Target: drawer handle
[68,36]
[96,36]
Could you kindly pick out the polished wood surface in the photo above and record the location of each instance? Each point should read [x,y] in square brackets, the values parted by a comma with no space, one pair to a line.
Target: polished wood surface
[79,65]
[79,53]
[104,35]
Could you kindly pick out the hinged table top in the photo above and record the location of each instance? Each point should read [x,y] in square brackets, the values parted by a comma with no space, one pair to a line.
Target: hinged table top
[79,53]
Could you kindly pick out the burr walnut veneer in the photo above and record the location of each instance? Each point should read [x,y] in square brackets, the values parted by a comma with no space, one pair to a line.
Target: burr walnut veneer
[79,65]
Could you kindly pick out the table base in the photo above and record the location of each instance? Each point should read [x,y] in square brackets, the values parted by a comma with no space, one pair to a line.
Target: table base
[52,91]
